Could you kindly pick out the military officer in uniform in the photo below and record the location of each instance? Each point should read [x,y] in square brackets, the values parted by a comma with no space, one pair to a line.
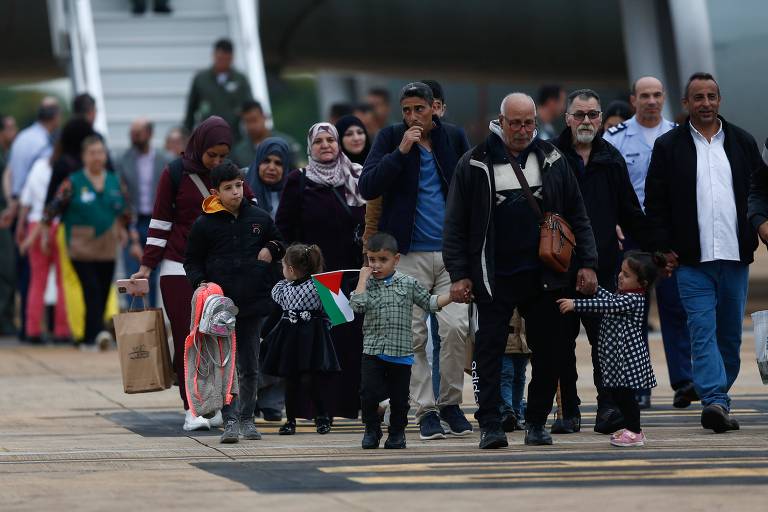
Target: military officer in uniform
[634,138]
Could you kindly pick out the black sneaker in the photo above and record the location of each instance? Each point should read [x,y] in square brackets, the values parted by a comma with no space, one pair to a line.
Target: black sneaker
[429,427]
[537,435]
[453,421]
[732,423]
[395,440]
[608,421]
[715,417]
[323,424]
[288,428]
[249,431]
[566,425]
[684,395]
[509,421]
[492,438]
[372,437]
[231,432]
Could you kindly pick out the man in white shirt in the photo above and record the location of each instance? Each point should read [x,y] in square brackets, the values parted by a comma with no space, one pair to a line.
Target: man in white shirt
[696,200]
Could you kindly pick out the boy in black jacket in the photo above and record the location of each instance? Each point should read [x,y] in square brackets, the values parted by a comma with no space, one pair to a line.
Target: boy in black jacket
[233,245]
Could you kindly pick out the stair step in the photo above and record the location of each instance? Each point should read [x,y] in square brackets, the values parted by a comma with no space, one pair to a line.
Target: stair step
[157,18]
[178,6]
[135,78]
[145,92]
[156,41]
[145,56]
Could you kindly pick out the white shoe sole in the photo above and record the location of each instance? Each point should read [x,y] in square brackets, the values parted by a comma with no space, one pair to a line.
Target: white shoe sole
[448,430]
[629,445]
[437,435]
[196,425]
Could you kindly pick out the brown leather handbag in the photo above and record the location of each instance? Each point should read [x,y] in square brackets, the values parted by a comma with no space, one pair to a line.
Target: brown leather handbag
[556,240]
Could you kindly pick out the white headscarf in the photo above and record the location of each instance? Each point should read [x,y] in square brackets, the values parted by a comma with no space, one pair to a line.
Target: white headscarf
[340,171]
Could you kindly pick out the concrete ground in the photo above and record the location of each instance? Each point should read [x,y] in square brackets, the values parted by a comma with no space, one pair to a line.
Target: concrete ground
[70,439]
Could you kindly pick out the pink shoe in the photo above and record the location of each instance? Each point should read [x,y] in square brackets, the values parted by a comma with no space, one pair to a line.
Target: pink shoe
[627,439]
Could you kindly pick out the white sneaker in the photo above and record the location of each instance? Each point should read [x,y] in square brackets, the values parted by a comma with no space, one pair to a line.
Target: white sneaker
[217,420]
[192,422]
[104,341]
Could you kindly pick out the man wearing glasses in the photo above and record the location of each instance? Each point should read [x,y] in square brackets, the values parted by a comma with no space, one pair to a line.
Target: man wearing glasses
[610,201]
[490,249]
[635,138]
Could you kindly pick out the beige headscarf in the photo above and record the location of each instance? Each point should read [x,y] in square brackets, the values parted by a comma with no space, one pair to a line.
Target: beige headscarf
[340,171]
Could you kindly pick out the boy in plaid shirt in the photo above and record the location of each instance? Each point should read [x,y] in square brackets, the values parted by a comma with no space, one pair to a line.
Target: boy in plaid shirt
[387,297]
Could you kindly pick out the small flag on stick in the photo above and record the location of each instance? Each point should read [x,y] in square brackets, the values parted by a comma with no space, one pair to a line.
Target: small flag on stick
[335,303]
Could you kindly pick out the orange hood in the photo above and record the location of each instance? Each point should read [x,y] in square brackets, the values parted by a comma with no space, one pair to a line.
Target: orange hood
[212,204]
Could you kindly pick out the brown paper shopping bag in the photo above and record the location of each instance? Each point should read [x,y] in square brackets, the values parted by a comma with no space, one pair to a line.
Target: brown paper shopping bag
[145,359]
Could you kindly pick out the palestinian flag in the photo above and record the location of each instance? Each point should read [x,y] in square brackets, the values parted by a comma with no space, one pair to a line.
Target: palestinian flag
[335,303]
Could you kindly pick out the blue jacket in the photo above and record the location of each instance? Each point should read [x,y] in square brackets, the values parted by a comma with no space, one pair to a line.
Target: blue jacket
[395,176]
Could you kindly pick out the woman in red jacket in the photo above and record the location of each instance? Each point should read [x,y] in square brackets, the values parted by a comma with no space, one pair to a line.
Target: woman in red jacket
[183,185]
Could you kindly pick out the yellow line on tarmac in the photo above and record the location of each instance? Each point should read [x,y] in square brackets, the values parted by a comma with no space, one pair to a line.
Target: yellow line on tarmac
[564,464]
[534,477]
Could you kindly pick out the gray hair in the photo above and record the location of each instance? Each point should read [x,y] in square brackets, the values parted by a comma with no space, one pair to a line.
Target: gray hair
[516,95]
[582,94]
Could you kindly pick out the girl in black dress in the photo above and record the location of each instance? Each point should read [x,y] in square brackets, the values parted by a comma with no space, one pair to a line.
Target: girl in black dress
[300,347]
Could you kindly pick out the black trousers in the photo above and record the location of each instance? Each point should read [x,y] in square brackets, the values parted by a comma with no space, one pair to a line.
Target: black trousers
[547,333]
[569,375]
[313,383]
[247,339]
[627,404]
[96,280]
[380,380]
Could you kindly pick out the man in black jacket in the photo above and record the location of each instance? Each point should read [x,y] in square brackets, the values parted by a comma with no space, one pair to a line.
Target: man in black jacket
[411,166]
[232,244]
[696,200]
[490,249]
[610,200]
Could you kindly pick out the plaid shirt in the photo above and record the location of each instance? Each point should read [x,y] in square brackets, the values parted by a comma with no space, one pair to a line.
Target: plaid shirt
[388,310]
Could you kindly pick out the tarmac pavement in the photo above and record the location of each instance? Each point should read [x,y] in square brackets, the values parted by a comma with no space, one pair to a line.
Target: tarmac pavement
[70,439]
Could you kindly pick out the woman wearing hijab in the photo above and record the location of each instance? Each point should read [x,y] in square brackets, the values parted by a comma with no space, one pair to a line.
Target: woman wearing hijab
[183,186]
[354,139]
[267,174]
[322,205]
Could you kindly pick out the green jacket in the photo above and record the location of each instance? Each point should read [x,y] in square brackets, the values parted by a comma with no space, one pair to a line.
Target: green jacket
[208,98]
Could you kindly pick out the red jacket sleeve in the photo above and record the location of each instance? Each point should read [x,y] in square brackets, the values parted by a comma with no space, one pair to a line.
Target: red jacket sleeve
[161,224]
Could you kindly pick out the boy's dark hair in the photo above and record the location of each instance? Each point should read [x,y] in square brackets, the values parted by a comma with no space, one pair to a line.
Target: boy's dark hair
[700,76]
[223,45]
[645,265]
[382,241]
[618,108]
[225,172]
[83,104]
[305,259]
[437,89]
[251,105]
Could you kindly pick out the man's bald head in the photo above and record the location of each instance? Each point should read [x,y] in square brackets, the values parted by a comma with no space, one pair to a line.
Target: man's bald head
[518,121]
[517,101]
[648,100]
[646,81]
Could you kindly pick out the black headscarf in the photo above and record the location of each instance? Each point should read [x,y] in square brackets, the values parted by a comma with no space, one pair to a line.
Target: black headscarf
[261,191]
[341,126]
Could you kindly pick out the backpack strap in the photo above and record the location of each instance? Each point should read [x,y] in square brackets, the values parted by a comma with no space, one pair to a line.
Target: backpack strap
[176,170]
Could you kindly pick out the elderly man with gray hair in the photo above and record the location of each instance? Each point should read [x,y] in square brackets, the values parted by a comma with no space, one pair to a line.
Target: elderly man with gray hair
[490,249]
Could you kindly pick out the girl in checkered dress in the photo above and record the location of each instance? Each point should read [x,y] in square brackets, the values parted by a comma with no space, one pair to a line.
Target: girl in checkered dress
[300,347]
[622,350]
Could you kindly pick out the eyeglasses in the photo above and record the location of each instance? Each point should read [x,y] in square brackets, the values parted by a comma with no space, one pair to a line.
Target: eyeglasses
[579,116]
[516,124]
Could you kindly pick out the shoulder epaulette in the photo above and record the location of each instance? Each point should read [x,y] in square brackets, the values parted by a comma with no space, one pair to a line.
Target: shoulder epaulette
[613,130]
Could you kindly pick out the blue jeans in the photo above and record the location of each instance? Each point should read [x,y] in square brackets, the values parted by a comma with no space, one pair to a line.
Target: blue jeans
[513,382]
[674,332]
[435,355]
[714,295]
